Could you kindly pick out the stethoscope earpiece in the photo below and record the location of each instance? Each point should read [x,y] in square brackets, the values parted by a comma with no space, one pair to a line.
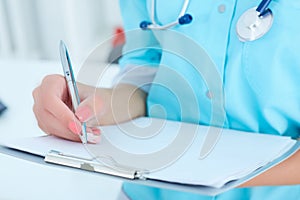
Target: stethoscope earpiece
[144,25]
[185,19]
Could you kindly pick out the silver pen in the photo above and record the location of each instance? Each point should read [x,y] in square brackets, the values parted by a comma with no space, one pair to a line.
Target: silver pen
[71,84]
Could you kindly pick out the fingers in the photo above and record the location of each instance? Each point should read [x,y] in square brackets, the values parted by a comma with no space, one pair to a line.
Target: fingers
[58,130]
[91,106]
[95,106]
[52,108]
[90,110]
[55,99]
[55,127]
[51,97]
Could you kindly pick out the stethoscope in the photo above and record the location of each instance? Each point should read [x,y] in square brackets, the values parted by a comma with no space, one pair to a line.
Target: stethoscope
[252,24]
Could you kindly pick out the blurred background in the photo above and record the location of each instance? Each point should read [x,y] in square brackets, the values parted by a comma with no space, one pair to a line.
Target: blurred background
[31,29]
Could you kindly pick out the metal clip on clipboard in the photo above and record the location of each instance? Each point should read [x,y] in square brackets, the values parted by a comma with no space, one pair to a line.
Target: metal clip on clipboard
[94,165]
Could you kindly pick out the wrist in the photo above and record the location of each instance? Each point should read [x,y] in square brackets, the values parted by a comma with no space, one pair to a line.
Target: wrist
[128,101]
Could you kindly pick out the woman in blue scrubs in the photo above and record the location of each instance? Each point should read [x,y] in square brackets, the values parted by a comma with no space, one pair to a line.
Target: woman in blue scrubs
[259,81]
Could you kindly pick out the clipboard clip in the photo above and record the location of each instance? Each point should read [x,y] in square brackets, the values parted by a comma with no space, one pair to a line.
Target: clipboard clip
[105,165]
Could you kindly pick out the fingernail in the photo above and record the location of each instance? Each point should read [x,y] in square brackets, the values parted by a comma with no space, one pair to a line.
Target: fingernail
[94,139]
[95,131]
[83,113]
[74,127]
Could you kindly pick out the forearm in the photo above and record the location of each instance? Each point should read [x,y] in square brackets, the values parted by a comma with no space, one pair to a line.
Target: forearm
[127,102]
[285,173]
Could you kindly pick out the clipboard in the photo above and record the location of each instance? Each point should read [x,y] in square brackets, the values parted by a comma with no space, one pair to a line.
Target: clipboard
[136,175]
[152,183]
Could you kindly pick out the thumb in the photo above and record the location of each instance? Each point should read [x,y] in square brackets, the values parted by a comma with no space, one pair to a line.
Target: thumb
[89,108]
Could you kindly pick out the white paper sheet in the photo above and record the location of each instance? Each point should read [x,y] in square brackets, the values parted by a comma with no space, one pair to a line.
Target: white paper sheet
[235,155]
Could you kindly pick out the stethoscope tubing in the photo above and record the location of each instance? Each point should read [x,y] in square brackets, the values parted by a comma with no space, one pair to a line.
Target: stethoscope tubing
[155,26]
[263,6]
[263,14]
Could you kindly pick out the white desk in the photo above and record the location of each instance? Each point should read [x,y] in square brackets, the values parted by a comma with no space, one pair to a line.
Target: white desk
[21,179]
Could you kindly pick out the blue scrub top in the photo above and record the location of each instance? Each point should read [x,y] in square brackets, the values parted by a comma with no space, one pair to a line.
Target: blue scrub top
[259,79]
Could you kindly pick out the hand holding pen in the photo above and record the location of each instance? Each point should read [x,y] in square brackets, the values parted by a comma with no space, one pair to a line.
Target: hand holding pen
[54,109]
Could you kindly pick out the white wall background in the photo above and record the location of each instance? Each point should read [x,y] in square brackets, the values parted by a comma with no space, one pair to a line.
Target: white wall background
[31,29]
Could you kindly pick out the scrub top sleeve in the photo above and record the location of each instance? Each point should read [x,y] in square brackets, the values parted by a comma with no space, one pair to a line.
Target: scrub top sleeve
[141,47]
[139,76]
[141,53]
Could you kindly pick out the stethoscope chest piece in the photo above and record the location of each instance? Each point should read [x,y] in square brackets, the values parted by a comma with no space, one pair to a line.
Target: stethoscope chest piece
[251,26]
